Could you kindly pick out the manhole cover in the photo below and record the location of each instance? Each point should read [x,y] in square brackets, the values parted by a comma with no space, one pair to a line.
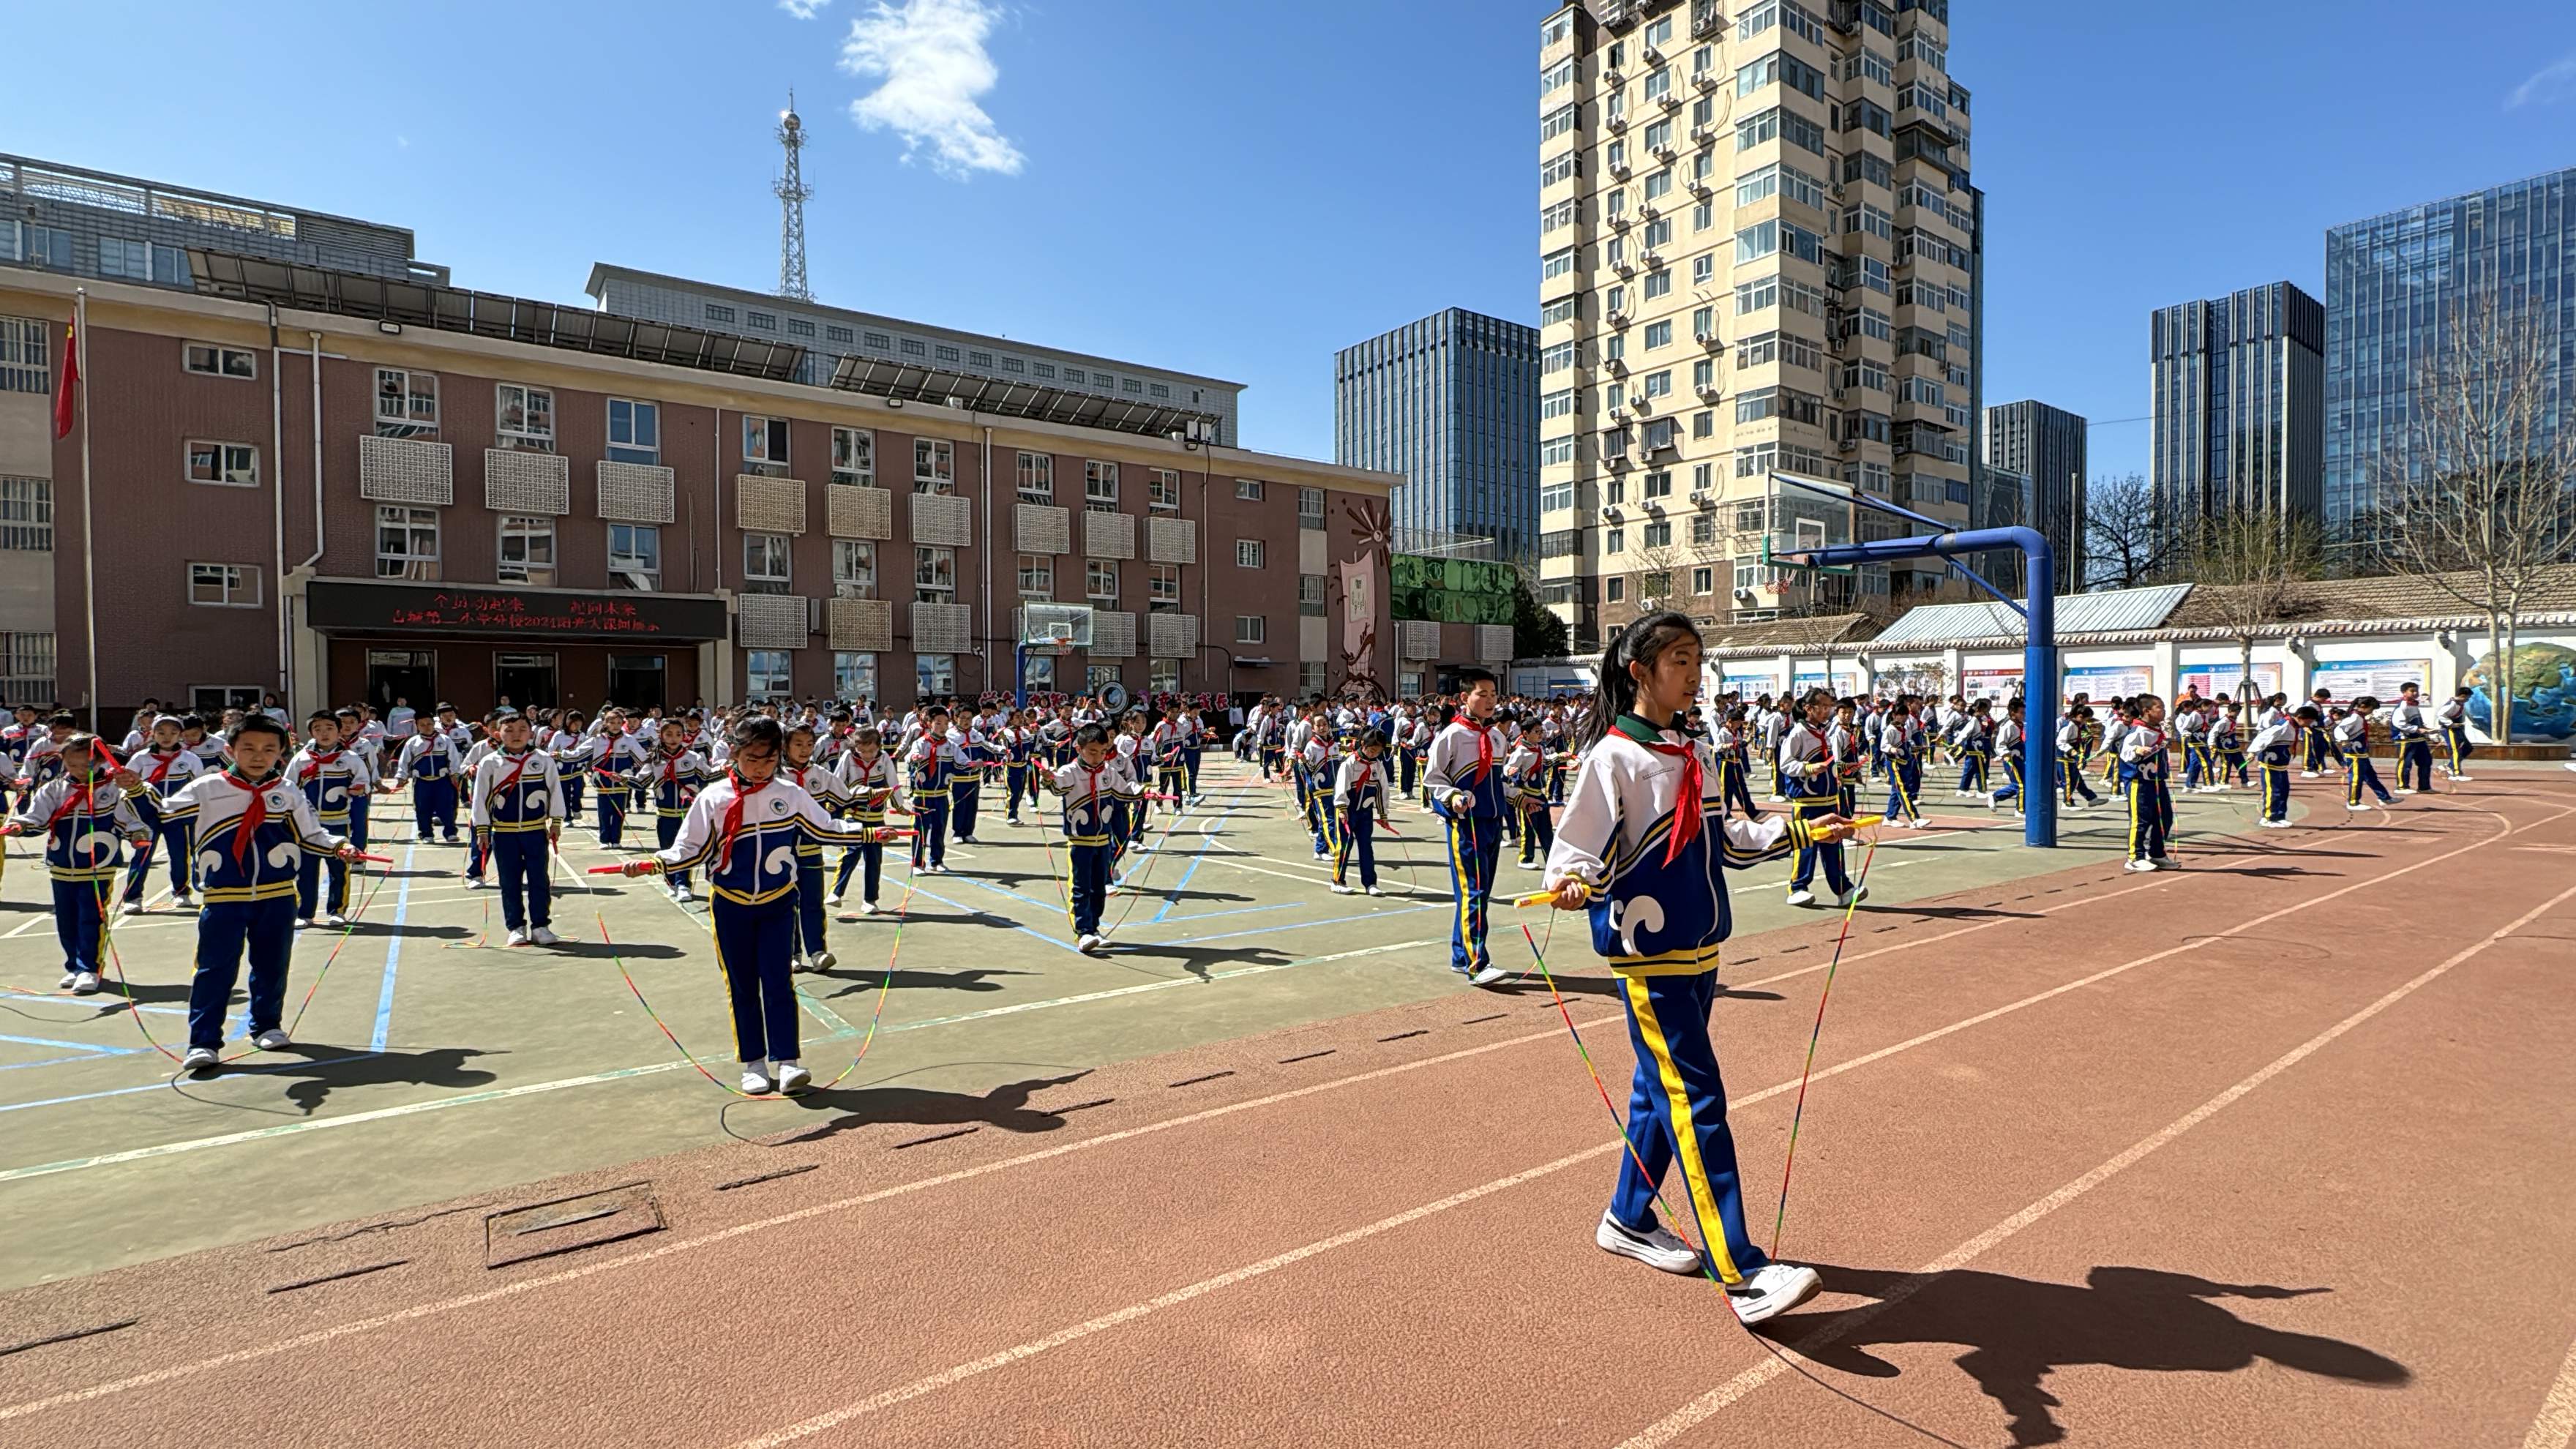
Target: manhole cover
[544,1229]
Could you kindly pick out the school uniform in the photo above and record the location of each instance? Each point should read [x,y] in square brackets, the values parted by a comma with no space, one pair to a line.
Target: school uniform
[563,744]
[930,773]
[1842,741]
[1314,767]
[1974,744]
[518,803]
[433,764]
[1806,768]
[1018,747]
[828,792]
[966,790]
[2272,747]
[330,780]
[2195,749]
[1645,830]
[2352,740]
[1525,776]
[478,843]
[2454,718]
[2227,752]
[168,816]
[609,759]
[252,841]
[1171,765]
[1465,783]
[369,747]
[869,785]
[1901,745]
[2143,766]
[1193,732]
[2320,745]
[83,822]
[1358,799]
[2006,740]
[666,783]
[2072,749]
[2414,736]
[1091,823]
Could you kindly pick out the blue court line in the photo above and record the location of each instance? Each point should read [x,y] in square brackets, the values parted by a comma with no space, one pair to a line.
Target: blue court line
[1304,925]
[47,1062]
[990,915]
[65,999]
[72,1045]
[1232,911]
[393,954]
[1206,838]
[163,1084]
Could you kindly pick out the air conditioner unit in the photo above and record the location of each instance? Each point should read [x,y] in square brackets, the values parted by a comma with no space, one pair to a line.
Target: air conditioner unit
[1700,188]
[1617,319]
[1705,80]
[1653,259]
[1649,211]
[1851,445]
[1672,102]
[1613,76]
[1838,191]
[1625,267]
[1619,222]
[1619,122]
[1744,593]
[1700,496]
[1619,169]
[1704,335]
[1613,512]
[1710,392]
[1651,54]
[1703,135]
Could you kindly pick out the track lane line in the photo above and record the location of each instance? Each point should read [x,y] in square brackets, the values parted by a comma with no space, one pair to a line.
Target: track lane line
[2556,1424]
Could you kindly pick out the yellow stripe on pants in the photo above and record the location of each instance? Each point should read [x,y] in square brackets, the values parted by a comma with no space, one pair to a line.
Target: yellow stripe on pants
[1712,1228]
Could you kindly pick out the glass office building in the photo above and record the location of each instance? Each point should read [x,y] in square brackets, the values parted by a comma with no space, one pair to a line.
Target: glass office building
[1451,403]
[2396,286]
[2238,405]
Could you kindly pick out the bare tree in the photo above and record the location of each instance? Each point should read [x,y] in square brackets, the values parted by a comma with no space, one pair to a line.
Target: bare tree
[2125,545]
[2260,563]
[2479,498]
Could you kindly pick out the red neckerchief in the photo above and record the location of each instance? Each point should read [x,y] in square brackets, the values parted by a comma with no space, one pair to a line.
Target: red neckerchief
[161,771]
[254,815]
[1093,799]
[1484,744]
[733,815]
[1687,805]
[83,799]
[313,764]
[671,771]
[512,783]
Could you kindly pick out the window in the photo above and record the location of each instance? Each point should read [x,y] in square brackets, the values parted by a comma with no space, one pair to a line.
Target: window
[1310,677]
[524,417]
[1099,486]
[764,563]
[945,352]
[1037,576]
[879,341]
[1658,384]
[1659,534]
[1556,450]
[854,457]
[1160,390]
[634,431]
[527,551]
[761,321]
[1013,364]
[406,543]
[1163,676]
[1163,588]
[764,446]
[1614,590]
[1557,216]
[854,569]
[1564,166]
[1556,357]
[1251,629]
[1037,477]
[934,575]
[1777,179]
[935,674]
[26,515]
[118,257]
[233,465]
[1248,489]
[934,465]
[979,359]
[1556,264]
[224,586]
[1100,583]
[854,675]
[1563,309]
[1615,541]
[832,332]
[766,673]
[716,313]
[1162,489]
[1658,284]
[209,360]
[1559,122]
[635,556]
[22,348]
[1131,385]
[1658,334]
[1247,553]
[1310,508]
[799,327]
[1310,595]
[1045,369]
[406,404]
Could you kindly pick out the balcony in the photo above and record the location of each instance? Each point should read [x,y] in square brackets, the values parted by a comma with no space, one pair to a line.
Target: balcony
[1043,528]
[637,493]
[1109,535]
[406,470]
[1171,541]
[855,511]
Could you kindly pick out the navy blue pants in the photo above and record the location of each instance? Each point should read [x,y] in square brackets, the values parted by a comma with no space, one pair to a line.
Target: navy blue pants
[809,897]
[175,839]
[612,814]
[1475,846]
[1904,788]
[2415,765]
[1731,785]
[2276,792]
[1677,1107]
[1538,836]
[433,802]
[1088,889]
[527,896]
[308,884]
[666,829]
[1829,856]
[80,920]
[961,809]
[2151,817]
[1017,778]
[1190,766]
[929,831]
[358,819]
[754,946]
[1356,840]
[267,929]
[873,856]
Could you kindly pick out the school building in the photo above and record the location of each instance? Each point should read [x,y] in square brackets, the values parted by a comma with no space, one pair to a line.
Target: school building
[333,485]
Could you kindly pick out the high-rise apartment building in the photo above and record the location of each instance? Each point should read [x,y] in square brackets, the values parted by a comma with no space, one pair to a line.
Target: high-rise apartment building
[1450,402]
[1758,247]
[2398,287]
[2043,447]
[2239,406]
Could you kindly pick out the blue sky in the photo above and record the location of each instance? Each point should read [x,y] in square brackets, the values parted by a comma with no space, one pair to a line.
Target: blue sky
[1239,189]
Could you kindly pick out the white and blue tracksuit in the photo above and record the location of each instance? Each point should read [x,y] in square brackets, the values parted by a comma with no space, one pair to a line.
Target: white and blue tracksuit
[84,823]
[1464,779]
[166,813]
[518,801]
[253,838]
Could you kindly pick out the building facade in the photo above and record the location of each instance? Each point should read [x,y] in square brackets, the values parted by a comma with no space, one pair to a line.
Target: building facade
[831,335]
[2397,287]
[1451,403]
[2043,447]
[86,223]
[493,497]
[2238,387]
[1758,252]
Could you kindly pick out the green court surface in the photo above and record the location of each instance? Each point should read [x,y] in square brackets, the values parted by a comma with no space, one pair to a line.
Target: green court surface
[433,1063]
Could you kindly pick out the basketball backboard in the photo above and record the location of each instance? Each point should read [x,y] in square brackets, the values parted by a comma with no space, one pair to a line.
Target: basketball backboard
[1802,515]
[1055,628]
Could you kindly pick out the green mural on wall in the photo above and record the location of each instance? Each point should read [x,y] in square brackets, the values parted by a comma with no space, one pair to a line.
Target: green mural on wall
[1452,590]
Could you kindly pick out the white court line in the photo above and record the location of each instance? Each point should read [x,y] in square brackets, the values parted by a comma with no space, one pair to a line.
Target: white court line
[2556,1424]
[1707,1406]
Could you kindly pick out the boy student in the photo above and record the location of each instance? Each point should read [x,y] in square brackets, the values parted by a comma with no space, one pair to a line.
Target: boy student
[2008,737]
[1525,778]
[1806,766]
[2454,719]
[164,766]
[2074,747]
[1901,744]
[669,778]
[331,777]
[2320,743]
[1645,850]
[82,812]
[366,740]
[1092,784]
[2352,740]
[930,767]
[1312,762]
[2414,734]
[253,831]
[741,830]
[1728,744]
[2272,746]
[867,775]
[431,764]
[1973,741]
[1358,799]
[518,812]
[825,786]
[2227,747]
[2143,763]
[1465,782]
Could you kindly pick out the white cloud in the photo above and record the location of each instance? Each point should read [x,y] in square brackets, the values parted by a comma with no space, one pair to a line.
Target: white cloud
[2555,81]
[803,9]
[929,59]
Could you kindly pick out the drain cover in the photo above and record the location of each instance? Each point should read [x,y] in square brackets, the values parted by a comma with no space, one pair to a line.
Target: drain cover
[566,1224]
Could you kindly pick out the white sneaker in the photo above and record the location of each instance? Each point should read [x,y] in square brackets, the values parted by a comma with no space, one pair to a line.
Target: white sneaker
[792,1076]
[754,1082]
[130,908]
[199,1059]
[1852,897]
[330,920]
[824,960]
[183,901]
[1657,1247]
[518,938]
[2307,774]
[1340,889]
[2403,792]
[84,983]
[1773,1291]
[1490,975]
[70,978]
[684,895]
[543,937]
[477,883]
[2140,865]
[833,899]
[1373,890]
[271,1040]
[1531,864]
[798,965]
[1089,945]
[2273,824]
[867,908]
[1802,898]
[304,923]
[2360,808]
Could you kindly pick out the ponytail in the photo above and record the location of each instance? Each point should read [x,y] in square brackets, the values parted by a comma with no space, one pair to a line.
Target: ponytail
[1642,642]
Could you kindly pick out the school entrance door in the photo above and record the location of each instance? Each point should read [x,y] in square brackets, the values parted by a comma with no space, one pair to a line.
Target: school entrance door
[524,681]
[408,674]
[638,681]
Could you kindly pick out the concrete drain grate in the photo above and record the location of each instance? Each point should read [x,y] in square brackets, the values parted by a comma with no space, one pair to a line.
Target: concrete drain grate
[542,1230]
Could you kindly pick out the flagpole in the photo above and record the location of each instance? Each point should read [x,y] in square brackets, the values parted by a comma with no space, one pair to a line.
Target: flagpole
[89,536]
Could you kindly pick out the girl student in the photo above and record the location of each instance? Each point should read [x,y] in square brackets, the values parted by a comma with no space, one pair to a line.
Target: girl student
[669,778]
[742,830]
[828,791]
[1644,848]
[1092,783]
[867,774]
[1358,799]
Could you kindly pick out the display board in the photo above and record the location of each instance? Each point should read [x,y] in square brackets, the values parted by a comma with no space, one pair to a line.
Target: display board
[2109,681]
[2213,681]
[2348,679]
[1451,590]
[1998,685]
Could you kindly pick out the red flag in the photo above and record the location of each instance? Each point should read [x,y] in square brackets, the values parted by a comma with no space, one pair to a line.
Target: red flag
[66,398]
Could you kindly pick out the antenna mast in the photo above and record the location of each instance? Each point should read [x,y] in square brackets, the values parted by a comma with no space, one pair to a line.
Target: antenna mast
[792,191]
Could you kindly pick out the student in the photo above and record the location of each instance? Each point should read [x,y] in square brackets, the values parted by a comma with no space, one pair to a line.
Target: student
[1018,744]
[164,766]
[2227,749]
[431,764]
[2144,761]
[1092,783]
[1313,763]
[827,790]
[610,757]
[741,830]
[1974,743]
[2352,740]
[2272,747]
[331,777]
[1806,767]
[1525,781]
[1358,800]
[1729,745]
[2319,743]
[518,813]
[669,778]
[2455,735]
[1900,743]
[867,776]
[2074,747]
[1465,783]
[82,812]
[1645,849]
[2008,740]
[966,787]
[563,741]
[1193,731]
[2413,732]
[931,764]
